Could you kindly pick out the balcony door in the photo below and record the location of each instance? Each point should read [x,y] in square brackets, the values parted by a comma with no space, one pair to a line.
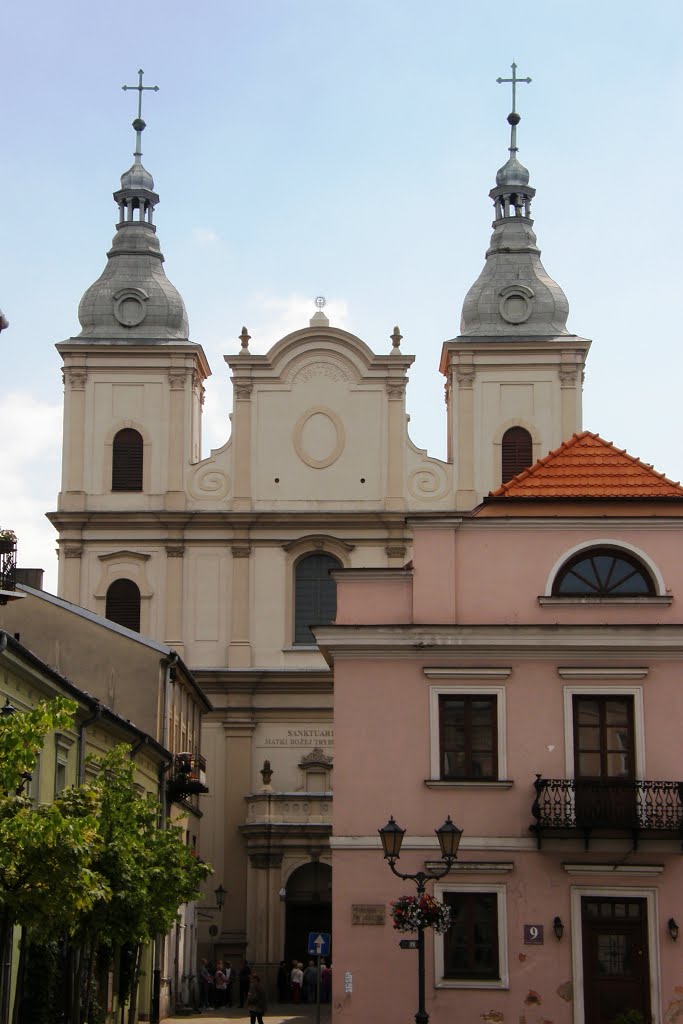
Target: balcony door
[616,972]
[604,761]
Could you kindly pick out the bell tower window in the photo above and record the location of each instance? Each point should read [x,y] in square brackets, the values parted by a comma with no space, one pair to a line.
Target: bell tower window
[127,459]
[517,452]
[123,604]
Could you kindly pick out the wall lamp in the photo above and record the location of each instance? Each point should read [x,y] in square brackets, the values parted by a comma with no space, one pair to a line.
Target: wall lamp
[673,928]
[558,928]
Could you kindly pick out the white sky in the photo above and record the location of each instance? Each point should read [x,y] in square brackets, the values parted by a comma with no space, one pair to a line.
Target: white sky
[346,148]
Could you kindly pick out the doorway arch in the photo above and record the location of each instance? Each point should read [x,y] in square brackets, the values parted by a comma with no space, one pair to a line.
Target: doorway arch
[308,907]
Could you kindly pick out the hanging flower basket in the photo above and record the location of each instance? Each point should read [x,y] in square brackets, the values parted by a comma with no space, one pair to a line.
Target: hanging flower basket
[8,541]
[412,912]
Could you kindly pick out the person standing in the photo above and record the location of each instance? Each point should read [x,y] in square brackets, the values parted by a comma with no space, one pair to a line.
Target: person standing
[256,1000]
[311,983]
[205,985]
[221,983]
[245,974]
[326,984]
[282,982]
[297,981]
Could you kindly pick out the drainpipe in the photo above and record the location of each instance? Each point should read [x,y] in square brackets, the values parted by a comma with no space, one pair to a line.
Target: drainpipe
[81,740]
[168,664]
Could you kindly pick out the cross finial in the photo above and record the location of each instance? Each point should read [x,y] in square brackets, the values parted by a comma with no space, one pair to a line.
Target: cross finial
[514,80]
[138,123]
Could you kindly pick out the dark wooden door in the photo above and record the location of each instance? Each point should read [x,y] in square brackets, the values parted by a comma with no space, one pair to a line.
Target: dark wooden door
[301,919]
[604,762]
[616,972]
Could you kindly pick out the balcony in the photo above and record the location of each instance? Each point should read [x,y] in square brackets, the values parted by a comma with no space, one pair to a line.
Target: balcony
[8,568]
[188,777]
[565,808]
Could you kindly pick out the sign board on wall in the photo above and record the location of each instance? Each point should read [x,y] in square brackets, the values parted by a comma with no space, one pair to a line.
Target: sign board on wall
[368,913]
[533,934]
[271,737]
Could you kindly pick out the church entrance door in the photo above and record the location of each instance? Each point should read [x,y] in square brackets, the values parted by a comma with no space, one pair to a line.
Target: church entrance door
[308,908]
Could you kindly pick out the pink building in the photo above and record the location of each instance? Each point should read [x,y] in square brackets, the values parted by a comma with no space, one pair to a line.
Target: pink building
[521,674]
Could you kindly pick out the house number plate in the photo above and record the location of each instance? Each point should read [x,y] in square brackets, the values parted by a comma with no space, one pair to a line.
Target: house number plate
[533,934]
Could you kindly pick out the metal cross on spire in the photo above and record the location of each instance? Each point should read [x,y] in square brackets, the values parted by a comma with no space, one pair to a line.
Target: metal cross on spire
[138,124]
[155,88]
[514,80]
[513,116]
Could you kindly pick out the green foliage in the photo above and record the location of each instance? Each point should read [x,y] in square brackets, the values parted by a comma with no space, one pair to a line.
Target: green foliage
[148,870]
[22,737]
[46,881]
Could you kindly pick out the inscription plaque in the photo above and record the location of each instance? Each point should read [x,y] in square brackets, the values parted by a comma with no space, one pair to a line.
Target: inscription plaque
[368,913]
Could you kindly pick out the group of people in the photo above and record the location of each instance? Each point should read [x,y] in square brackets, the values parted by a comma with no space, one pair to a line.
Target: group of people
[220,984]
[294,985]
[300,985]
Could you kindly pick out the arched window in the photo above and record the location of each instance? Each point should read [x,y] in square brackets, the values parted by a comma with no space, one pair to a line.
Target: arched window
[126,466]
[123,604]
[315,595]
[517,452]
[603,572]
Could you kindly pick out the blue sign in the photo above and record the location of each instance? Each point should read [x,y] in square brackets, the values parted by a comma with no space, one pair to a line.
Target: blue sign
[318,943]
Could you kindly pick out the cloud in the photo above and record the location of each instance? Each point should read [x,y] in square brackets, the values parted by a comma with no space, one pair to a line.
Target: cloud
[30,471]
[205,235]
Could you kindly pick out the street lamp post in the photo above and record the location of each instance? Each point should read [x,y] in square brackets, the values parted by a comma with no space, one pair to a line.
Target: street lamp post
[449,840]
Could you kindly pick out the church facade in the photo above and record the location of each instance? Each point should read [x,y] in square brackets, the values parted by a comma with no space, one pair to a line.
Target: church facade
[228,558]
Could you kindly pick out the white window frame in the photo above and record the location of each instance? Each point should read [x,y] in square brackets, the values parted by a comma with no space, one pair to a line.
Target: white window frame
[435,753]
[500,891]
[604,691]
[612,892]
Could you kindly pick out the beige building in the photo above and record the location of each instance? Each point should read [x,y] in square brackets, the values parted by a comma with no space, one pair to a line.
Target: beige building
[138,681]
[226,559]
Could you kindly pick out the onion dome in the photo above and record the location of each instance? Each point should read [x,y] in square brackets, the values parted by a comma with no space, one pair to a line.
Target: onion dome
[514,296]
[133,300]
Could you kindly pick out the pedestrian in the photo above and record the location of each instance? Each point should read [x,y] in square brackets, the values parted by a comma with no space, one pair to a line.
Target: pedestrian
[282,983]
[245,973]
[230,978]
[310,992]
[221,982]
[256,1000]
[326,984]
[205,985]
[297,977]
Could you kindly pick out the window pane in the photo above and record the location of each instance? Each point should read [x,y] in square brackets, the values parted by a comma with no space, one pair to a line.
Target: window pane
[315,595]
[588,711]
[589,765]
[603,573]
[468,737]
[589,738]
[617,711]
[471,943]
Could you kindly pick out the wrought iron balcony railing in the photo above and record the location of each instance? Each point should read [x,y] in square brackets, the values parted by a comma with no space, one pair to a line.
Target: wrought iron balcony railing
[8,568]
[188,778]
[565,807]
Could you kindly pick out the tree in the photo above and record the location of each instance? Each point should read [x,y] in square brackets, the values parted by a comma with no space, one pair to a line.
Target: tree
[46,876]
[147,868]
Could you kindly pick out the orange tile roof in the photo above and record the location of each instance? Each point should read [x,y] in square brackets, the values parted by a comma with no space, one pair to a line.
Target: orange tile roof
[586,466]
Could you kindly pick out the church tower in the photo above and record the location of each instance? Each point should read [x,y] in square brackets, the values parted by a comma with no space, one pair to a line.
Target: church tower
[514,374]
[133,390]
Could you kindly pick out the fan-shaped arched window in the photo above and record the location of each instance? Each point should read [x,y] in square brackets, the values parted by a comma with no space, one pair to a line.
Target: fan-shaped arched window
[315,595]
[517,452]
[126,465]
[123,604]
[603,572]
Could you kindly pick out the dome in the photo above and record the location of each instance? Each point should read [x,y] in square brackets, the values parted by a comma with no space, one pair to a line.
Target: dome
[137,177]
[512,173]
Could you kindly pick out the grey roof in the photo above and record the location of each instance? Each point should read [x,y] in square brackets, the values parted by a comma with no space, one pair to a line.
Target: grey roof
[132,300]
[514,296]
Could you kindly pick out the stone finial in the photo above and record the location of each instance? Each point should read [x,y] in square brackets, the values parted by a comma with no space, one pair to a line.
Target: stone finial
[245,338]
[396,338]
[266,774]
[4,322]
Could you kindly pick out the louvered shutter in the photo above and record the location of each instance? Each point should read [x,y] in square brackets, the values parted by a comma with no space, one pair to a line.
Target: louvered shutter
[123,604]
[516,452]
[126,469]
[315,595]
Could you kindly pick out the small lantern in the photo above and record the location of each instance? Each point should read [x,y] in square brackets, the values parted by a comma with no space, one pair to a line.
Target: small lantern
[449,839]
[673,928]
[392,837]
[220,894]
[558,928]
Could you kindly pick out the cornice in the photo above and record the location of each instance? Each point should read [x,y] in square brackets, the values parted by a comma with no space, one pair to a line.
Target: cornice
[425,642]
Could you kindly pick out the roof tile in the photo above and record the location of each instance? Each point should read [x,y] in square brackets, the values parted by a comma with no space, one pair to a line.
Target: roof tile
[586,466]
